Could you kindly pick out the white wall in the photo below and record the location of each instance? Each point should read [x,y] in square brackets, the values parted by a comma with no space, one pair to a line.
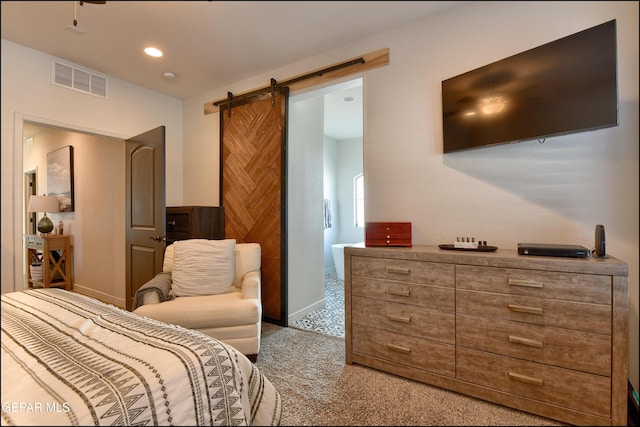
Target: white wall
[27,94]
[304,207]
[554,192]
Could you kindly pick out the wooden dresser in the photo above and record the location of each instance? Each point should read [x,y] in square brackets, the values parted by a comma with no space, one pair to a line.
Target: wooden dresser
[544,335]
[194,222]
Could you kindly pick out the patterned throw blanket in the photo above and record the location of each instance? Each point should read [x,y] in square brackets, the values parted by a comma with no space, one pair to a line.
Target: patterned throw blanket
[68,359]
[159,287]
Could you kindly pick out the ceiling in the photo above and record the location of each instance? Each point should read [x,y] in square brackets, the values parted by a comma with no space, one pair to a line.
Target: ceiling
[206,44]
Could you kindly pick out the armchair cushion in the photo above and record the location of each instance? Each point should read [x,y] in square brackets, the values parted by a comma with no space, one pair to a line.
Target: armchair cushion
[207,311]
[248,257]
[203,267]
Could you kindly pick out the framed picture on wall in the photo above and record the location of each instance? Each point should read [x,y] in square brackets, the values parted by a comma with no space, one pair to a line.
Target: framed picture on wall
[60,177]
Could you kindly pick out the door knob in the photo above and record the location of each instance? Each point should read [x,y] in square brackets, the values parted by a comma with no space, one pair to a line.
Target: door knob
[159,238]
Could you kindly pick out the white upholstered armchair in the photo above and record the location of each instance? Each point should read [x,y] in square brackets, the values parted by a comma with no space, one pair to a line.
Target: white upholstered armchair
[212,286]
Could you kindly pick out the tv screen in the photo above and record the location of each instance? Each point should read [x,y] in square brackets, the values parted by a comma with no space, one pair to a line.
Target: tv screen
[568,85]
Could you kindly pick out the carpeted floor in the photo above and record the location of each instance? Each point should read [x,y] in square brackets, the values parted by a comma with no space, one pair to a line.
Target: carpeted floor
[318,388]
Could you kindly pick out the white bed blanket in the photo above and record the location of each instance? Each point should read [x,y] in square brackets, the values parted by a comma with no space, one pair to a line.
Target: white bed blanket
[68,359]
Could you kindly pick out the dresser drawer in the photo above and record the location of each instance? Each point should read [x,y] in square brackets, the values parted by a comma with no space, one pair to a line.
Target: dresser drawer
[410,351]
[35,242]
[544,284]
[441,298]
[178,222]
[429,273]
[578,316]
[194,222]
[568,388]
[577,350]
[405,319]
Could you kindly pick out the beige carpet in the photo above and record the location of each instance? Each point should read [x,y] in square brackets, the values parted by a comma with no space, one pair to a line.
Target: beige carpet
[318,388]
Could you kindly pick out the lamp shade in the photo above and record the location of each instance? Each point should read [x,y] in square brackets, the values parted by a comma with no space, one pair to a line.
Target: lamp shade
[43,204]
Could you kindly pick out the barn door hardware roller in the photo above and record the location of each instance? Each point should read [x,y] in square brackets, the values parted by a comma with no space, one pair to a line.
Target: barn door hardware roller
[274,84]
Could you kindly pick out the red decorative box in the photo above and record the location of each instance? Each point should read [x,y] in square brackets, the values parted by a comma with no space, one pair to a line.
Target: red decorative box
[388,234]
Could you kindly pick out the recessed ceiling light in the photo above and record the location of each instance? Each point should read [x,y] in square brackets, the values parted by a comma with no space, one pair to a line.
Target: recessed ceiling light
[152,51]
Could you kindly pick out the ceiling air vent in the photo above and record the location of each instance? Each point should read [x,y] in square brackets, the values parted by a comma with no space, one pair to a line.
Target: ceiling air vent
[80,80]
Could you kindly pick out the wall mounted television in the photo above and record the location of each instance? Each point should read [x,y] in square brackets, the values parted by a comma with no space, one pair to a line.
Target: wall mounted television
[565,86]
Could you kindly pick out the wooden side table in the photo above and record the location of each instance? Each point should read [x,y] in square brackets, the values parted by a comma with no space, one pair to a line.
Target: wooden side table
[54,252]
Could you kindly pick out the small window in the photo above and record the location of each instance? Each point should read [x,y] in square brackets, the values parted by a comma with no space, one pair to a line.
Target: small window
[358,193]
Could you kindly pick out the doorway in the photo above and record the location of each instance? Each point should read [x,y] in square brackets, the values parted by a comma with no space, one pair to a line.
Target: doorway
[97,223]
[326,159]
[98,261]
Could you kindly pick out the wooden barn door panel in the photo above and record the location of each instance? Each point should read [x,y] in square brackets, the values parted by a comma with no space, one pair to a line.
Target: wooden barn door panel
[253,191]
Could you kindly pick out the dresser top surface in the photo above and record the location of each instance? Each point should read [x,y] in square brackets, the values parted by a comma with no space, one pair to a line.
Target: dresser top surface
[505,258]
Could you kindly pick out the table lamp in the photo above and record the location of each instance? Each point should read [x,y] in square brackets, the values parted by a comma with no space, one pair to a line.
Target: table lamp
[44,204]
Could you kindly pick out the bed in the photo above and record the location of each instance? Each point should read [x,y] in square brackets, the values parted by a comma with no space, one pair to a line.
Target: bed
[68,359]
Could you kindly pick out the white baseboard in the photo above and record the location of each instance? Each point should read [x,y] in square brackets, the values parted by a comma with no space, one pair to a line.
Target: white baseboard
[109,299]
[306,310]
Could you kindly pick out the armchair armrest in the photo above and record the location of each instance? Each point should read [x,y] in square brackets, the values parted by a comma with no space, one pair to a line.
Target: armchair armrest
[251,285]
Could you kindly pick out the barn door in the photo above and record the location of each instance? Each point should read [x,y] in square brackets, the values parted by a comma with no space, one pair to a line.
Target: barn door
[253,188]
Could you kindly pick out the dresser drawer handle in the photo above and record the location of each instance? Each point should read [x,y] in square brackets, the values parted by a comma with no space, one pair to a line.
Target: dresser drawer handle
[398,318]
[399,349]
[525,341]
[398,292]
[525,309]
[525,379]
[398,270]
[525,283]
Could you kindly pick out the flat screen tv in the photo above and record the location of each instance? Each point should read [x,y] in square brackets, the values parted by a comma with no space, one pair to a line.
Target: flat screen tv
[568,85]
